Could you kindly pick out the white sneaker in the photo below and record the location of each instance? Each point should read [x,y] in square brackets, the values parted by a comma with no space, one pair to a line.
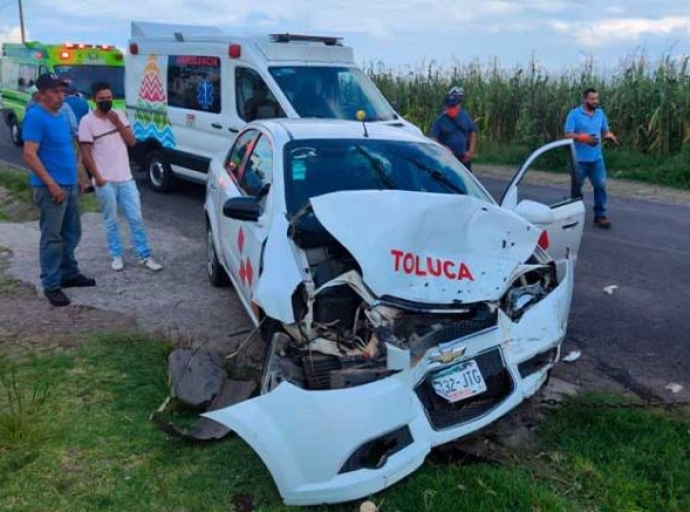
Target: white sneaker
[117,264]
[151,264]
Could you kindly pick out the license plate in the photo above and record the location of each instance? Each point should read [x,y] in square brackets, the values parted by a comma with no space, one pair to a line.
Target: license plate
[459,382]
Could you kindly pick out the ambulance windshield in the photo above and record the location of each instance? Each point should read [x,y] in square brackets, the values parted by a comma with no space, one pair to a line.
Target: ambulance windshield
[331,92]
[83,76]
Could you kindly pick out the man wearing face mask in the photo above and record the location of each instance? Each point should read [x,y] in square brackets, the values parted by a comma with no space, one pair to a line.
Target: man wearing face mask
[587,126]
[104,135]
[455,129]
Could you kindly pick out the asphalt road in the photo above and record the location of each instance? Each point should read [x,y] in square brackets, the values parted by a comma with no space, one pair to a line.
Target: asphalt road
[639,336]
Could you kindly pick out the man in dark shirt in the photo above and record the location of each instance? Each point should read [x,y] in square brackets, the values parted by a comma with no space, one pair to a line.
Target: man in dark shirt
[456,130]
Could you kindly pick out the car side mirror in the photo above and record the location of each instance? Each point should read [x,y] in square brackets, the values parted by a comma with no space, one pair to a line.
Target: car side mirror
[534,212]
[242,208]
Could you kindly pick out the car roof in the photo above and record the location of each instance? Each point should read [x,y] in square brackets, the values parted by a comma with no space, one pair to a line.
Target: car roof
[338,129]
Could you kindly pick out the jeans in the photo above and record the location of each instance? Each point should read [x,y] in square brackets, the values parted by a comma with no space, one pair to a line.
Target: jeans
[125,195]
[60,233]
[596,172]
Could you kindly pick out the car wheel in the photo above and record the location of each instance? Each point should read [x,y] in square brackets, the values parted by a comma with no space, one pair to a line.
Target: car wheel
[214,270]
[161,177]
[16,132]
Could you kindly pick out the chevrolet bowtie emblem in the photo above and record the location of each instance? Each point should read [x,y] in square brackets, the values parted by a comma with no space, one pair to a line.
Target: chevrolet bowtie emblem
[445,356]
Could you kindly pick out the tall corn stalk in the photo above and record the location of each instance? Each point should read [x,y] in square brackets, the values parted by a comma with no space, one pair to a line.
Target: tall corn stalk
[647,103]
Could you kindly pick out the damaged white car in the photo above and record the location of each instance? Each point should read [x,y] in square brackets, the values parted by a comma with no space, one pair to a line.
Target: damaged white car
[402,308]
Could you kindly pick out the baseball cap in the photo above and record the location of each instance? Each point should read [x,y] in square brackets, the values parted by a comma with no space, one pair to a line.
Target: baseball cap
[451,101]
[49,81]
[457,91]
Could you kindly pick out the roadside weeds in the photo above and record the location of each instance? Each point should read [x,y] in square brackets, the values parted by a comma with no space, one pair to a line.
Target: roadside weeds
[99,450]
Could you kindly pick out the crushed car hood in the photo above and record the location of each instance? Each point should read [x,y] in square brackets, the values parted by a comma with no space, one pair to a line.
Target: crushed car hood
[428,248]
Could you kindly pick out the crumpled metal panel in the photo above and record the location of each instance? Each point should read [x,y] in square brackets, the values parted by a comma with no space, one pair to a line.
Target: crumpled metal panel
[429,248]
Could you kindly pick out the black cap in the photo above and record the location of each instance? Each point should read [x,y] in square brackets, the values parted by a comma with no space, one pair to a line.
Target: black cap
[451,101]
[49,81]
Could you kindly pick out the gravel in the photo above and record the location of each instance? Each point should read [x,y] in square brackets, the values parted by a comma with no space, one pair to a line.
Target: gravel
[177,302]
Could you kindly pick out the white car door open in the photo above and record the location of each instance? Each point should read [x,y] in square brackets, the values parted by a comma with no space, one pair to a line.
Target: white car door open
[557,209]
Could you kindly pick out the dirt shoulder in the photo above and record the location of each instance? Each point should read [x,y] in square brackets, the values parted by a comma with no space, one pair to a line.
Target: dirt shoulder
[615,187]
[177,302]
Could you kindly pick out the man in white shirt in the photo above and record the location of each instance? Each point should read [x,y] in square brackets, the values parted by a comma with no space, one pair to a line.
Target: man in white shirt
[104,135]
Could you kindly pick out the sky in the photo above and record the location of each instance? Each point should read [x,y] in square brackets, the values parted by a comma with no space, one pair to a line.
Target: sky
[399,34]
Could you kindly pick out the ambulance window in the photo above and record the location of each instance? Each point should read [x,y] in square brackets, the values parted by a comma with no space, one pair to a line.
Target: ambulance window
[27,76]
[254,99]
[194,83]
[258,171]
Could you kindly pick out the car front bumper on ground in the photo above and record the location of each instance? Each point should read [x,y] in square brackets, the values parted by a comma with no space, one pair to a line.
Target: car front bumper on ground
[339,445]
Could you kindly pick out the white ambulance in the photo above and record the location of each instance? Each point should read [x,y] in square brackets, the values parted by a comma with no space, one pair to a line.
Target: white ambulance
[190,89]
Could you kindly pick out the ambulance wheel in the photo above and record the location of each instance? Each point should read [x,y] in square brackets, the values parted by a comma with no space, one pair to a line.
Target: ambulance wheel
[161,177]
[16,132]
[214,270]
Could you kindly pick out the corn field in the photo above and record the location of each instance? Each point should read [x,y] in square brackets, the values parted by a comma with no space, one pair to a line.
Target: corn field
[647,102]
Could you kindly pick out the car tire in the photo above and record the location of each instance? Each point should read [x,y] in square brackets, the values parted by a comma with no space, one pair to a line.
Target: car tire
[16,132]
[214,270]
[161,178]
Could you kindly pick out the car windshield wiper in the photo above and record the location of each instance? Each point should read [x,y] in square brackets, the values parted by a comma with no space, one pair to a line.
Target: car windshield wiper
[438,176]
[378,167]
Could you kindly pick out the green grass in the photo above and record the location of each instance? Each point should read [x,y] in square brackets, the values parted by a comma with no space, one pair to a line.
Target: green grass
[7,284]
[622,459]
[16,182]
[98,451]
[522,107]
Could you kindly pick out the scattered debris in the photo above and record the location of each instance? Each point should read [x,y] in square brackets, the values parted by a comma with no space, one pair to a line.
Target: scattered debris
[673,387]
[572,356]
[243,502]
[368,506]
[609,290]
[198,380]
[196,376]
[559,390]
[457,454]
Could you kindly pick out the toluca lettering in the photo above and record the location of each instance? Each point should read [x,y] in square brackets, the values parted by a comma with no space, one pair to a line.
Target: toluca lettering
[422,266]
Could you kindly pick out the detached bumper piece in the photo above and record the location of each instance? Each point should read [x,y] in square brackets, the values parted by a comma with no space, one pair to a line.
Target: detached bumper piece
[443,415]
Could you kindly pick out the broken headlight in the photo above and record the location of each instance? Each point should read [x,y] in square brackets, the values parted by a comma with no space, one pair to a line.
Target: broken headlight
[528,289]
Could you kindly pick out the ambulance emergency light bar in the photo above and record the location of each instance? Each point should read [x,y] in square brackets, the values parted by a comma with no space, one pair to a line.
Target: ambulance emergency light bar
[286,38]
[83,46]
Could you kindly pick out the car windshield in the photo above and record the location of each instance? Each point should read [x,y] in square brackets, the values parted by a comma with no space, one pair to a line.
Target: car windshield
[84,76]
[317,167]
[331,92]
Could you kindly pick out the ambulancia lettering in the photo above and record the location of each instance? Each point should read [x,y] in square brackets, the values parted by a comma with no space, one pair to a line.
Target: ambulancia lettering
[428,266]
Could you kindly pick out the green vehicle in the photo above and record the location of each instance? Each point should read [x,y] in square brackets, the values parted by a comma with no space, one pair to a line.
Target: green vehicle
[82,64]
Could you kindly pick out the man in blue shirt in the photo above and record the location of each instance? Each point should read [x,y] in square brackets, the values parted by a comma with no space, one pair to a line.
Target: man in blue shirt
[49,153]
[456,130]
[588,126]
[77,103]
